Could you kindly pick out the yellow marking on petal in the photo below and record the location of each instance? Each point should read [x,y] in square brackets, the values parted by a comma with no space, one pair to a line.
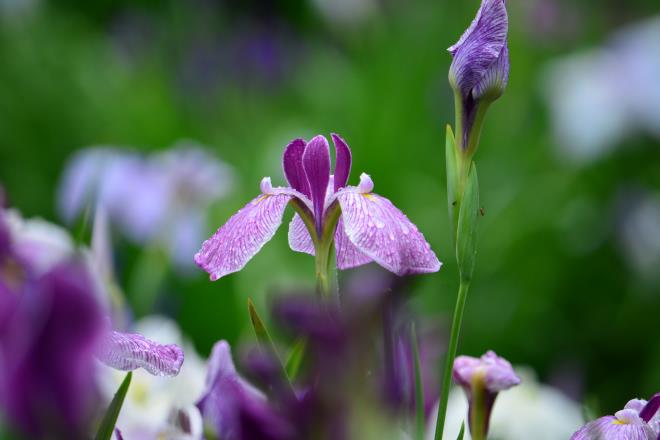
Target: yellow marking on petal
[618,422]
[265,196]
[369,196]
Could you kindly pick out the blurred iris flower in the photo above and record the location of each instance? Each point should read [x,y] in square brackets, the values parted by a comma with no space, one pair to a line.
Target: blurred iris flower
[159,199]
[591,112]
[638,420]
[368,227]
[482,379]
[52,326]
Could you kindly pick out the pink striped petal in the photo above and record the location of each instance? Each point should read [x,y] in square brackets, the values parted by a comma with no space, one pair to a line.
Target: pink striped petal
[129,351]
[348,256]
[244,234]
[381,231]
[299,238]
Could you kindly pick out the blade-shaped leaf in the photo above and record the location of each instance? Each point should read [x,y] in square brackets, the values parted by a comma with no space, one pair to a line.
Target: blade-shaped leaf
[419,390]
[295,358]
[452,176]
[466,237]
[461,432]
[265,341]
[110,418]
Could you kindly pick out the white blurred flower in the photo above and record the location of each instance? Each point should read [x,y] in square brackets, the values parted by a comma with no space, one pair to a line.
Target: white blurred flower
[159,407]
[598,98]
[40,243]
[529,411]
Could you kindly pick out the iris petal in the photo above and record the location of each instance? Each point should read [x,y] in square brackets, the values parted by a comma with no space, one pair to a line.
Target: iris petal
[342,162]
[316,161]
[382,232]
[244,234]
[129,351]
[293,166]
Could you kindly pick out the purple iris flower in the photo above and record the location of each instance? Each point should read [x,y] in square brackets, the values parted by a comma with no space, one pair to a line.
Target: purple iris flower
[639,420]
[482,379]
[479,71]
[368,227]
[52,327]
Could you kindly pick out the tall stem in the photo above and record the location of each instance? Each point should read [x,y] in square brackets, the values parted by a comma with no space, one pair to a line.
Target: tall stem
[451,355]
[322,261]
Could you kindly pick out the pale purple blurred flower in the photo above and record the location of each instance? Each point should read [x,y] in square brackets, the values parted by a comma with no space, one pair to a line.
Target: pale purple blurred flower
[370,227]
[480,66]
[487,376]
[591,113]
[639,420]
[161,198]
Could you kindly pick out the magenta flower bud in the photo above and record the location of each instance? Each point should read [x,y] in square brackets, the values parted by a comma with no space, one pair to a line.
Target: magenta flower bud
[482,379]
[479,71]
[638,420]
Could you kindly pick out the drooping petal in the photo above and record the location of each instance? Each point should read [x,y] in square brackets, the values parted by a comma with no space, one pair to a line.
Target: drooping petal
[299,238]
[129,351]
[348,256]
[342,162]
[316,161]
[479,47]
[244,234]
[292,162]
[381,231]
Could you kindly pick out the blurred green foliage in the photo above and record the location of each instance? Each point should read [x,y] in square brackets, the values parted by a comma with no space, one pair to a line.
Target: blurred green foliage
[551,288]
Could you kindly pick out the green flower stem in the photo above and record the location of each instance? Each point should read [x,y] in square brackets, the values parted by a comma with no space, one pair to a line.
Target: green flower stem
[477,412]
[449,359]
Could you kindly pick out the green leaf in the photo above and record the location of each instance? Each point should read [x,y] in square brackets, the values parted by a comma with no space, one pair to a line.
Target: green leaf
[453,198]
[110,418]
[419,390]
[466,237]
[295,358]
[461,432]
[265,341]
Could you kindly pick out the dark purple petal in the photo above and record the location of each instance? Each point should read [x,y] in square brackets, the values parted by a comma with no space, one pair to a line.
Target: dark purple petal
[479,47]
[348,256]
[47,341]
[382,232]
[342,162]
[244,234]
[299,238]
[316,161]
[224,394]
[130,351]
[651,408]
[292,162]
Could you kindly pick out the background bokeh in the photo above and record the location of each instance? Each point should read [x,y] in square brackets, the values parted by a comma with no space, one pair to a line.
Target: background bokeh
[568,275]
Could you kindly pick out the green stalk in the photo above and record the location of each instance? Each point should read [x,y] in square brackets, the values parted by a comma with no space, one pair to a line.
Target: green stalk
[451,355]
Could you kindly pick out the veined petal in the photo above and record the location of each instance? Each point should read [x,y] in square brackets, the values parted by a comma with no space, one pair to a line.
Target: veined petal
[379,230]
[492,84]
[299,238]
[348,256]
[611,428]
[342,162]
[292,162]
[316,161]
[479,47]
[244,234]
[129,351]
